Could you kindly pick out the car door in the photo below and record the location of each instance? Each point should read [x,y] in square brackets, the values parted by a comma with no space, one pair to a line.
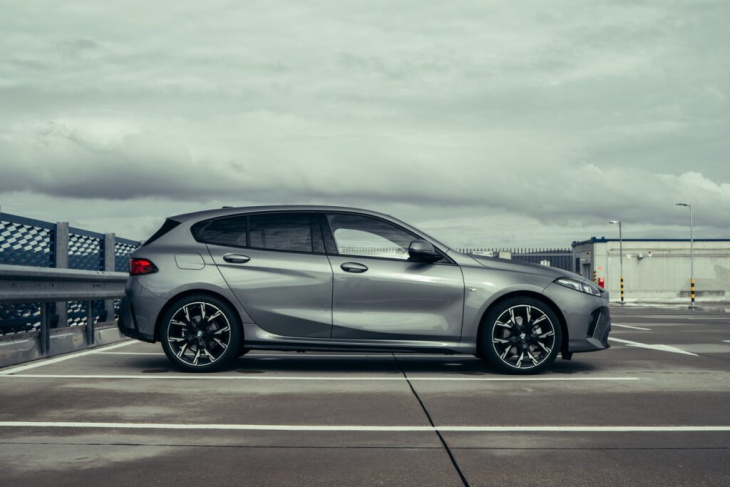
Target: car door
[378,293]
[276,266]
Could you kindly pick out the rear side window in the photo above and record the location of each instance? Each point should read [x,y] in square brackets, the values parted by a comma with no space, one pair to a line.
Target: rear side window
[229,231]
[288,232]
[165,228]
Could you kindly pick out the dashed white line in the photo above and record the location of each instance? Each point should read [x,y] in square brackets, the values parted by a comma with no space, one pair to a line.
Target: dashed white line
[62,358]
[662,348]
[399,377]
[285,427]
[631,327]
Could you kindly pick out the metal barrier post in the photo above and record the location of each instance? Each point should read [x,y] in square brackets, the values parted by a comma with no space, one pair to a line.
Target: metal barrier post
[45,333]
[61,234]
[90,322]
[109,266]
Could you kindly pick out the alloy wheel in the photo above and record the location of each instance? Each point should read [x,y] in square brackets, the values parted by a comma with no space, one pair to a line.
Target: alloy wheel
[199,334]
[523,337]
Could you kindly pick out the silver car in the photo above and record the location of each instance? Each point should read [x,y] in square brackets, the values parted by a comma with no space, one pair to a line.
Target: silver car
[212,285]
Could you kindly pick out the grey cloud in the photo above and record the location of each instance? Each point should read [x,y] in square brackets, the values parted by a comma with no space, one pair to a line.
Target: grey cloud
[557,114]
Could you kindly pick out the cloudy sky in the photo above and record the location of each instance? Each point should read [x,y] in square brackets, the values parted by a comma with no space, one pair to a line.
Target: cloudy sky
[486,123]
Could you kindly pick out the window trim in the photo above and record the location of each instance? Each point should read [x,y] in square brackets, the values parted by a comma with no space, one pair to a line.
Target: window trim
[314,224]
[445,259]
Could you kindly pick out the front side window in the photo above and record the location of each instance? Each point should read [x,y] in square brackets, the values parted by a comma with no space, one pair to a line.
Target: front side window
[369,237]
[288,232]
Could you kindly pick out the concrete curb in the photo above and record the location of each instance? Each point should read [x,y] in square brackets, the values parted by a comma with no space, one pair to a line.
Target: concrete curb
[23,348]
[670,308]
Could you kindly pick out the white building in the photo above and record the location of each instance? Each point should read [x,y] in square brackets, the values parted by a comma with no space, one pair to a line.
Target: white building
[657,270]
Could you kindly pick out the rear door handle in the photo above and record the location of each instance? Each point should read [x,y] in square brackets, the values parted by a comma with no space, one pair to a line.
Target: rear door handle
[236,258]
[353,267]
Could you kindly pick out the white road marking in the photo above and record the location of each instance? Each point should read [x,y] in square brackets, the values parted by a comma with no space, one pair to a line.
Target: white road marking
[399,377]
[726,341]
[159,354]
[632,327]
[62,358]
[663,348]
[285,427]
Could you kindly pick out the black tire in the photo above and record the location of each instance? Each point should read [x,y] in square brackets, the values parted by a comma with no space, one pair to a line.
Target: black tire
[521,335]
[200,333]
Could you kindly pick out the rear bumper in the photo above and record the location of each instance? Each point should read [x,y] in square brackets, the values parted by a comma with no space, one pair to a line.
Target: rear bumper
[127,323]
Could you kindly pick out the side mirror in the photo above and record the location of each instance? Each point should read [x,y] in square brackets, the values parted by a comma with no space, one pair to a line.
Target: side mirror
[422,251]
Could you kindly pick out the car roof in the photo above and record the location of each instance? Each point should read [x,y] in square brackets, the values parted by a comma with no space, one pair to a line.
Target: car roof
[225,211]
[229,210]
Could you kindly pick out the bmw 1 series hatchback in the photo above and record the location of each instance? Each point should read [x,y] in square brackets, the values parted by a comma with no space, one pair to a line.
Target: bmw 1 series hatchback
[212,285]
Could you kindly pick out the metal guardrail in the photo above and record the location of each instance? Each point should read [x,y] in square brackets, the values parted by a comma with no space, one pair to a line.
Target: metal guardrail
[23,284]
[34,243]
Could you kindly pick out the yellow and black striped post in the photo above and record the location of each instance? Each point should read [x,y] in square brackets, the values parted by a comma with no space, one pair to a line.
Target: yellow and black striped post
[622,289]
[692,292]
[594,277]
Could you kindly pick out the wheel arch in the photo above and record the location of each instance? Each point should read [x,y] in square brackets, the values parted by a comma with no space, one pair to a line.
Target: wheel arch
[527,294]
[198,292]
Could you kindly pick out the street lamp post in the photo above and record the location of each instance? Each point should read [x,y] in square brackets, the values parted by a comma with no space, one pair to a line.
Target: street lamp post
[691,256]
[620,255]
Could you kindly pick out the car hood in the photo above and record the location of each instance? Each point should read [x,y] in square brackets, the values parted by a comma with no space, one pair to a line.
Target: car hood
[511,265]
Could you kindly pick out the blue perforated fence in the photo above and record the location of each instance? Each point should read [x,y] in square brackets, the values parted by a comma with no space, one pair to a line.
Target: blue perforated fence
[29,242]
[25,241]
[122,249]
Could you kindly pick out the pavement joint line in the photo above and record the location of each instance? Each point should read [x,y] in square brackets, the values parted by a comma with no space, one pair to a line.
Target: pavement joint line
[631,327]
[62,358]
[318,378]
[452,458]
[661,348]
[365,428]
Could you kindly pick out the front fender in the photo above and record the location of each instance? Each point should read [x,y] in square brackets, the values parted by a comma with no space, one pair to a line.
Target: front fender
[485,286]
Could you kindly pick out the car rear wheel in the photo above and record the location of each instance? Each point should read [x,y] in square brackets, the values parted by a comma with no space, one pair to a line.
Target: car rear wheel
[521,336]
[200,333]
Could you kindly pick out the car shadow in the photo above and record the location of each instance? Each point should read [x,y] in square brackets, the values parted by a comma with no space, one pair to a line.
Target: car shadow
[456,365]
[385,364]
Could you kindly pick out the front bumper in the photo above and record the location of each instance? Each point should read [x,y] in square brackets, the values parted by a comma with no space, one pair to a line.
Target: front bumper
[587,318]
[600,328]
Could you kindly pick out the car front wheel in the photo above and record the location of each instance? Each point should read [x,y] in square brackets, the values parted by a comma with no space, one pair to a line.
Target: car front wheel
[521,336]
[200,333]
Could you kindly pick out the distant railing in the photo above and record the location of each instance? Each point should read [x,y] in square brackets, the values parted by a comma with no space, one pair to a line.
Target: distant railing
[39,244]
[560,258]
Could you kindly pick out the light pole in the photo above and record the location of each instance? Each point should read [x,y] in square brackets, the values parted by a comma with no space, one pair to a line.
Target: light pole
[691,257]
[620,255]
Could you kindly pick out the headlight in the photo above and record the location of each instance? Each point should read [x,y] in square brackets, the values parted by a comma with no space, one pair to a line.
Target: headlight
[582,286]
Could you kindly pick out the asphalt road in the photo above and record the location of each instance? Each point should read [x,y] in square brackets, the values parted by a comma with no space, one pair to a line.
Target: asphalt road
[652,410]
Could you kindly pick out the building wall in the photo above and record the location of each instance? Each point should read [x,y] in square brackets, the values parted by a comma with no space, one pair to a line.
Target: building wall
[658,270]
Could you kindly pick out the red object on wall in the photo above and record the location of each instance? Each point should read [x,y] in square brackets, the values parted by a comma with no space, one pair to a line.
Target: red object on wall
[602,282]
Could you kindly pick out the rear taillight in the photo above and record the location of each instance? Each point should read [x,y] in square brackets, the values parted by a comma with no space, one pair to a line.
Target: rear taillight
[138,267]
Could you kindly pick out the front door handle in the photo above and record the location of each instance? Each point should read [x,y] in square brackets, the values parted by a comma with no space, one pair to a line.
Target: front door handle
[236,258]
[353,267]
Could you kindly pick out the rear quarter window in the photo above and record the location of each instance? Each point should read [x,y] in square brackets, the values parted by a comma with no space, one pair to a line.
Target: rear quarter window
[230,231]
